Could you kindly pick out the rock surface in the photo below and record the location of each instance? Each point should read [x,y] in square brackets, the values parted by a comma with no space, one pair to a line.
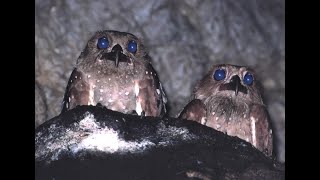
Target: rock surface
[184,38]
[40,106]
[96,143]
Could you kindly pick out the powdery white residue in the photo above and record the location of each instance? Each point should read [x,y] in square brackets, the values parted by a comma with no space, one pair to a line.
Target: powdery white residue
[172,133]
[105,139]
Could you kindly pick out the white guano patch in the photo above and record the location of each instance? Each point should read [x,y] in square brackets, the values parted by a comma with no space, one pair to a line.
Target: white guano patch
[172,133]
[106,139]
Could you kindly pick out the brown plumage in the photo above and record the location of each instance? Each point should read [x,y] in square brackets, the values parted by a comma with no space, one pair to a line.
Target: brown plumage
[115,70]
[228,99]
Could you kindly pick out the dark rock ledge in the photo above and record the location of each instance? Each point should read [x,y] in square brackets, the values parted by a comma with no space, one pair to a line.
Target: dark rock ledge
[96,143]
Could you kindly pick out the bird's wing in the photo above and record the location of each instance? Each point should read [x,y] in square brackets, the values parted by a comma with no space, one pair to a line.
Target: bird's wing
[195,110]
[77,91]
[151,98]
[261,129]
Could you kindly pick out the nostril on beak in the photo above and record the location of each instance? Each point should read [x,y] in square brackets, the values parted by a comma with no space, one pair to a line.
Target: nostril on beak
[117,49]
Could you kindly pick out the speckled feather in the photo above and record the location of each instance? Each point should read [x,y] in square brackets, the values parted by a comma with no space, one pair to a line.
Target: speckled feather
[243,115]
[133,86]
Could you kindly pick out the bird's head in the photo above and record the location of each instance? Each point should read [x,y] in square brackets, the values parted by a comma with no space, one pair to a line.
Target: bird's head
[231,81]
[113,51]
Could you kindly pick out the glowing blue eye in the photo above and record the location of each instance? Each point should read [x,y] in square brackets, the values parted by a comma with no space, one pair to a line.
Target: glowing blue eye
[103,43]
[248,79]
[132,46]
[219,74]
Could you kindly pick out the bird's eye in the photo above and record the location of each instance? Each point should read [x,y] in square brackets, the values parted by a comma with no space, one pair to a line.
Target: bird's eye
[103,43]
[132,46]
[219,74]
[248,79]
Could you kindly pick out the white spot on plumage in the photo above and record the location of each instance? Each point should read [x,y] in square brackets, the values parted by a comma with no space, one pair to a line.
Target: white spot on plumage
[75,77]
[98,72]
[101,90]
[203,120]
[69,99]
[110,100]
[253,130]
[71,80]
[100,99]
[126,93]
[89,76]
[138,102]
[109,79]
[213,113]
[151,72]
[136,89]
[91,97]
[217,118]
[158,91]
[138,107]
[218,126]
[146,72]
[80,77]
[67,105]
[98,80]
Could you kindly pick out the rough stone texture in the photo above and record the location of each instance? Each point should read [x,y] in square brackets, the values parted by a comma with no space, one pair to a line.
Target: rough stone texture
[184,38]
[40,106]
[91,142]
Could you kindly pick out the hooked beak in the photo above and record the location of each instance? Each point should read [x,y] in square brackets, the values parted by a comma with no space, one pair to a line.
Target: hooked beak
[116,55]
[117,50]
[234,85]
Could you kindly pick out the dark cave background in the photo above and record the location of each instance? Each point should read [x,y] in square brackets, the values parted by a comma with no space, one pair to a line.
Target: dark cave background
[184,39]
